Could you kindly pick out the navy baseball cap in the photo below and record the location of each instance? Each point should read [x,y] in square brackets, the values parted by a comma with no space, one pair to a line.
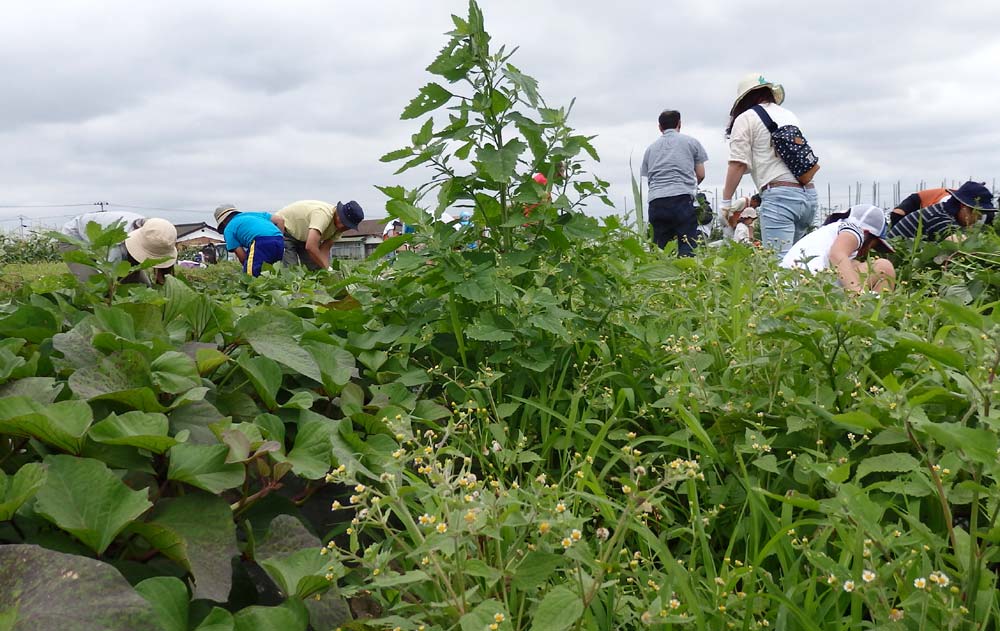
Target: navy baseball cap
[350,214]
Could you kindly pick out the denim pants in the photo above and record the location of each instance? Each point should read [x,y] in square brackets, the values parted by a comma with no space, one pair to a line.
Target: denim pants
[675,218]
[786,215]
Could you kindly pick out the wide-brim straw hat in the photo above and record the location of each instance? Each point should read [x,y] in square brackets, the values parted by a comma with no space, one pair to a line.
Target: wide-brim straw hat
[752,82]
[155,239]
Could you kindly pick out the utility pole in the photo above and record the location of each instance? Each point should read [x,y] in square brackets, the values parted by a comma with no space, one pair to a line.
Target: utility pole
[102,205]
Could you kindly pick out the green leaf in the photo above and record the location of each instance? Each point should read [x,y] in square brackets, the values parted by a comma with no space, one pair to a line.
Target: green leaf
[17,489]
[767,463]
[208,359]
[302,573]
[43,590]
[265,375]
[481,617]
[217,620]
[84,498]
[525,84]
[398,154]
[205,467]
[118,372]
[270,331]
[857,421]
[174,372]
[169,599]
[62,425]
[487,333]
[535,569]
[430,97]
[560,609]
[145,430]
[291,616]
[894,462]
[336,364]
[499,164]
[405,211]
[945,355]
[196,531]
[312,455]
[29,323]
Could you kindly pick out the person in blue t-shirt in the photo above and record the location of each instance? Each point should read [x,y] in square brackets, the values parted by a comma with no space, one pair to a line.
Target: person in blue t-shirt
[252,236]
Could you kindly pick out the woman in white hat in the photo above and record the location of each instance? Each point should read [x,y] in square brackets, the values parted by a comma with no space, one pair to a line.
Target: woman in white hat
[787,207]
[152,238]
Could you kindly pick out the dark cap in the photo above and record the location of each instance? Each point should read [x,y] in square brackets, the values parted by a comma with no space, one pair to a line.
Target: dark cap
[974,194]
[350,214]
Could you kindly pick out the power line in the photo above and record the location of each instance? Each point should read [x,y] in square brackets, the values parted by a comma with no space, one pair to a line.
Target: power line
[176,210]
[15,206]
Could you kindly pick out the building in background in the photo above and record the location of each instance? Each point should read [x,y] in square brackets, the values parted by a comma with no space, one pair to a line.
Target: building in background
[361,242]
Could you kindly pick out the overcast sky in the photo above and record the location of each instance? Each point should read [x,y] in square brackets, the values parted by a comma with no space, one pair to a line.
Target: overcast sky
[184,105]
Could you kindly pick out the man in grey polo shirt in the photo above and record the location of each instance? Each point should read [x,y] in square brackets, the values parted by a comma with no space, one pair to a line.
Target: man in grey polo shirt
[674,165]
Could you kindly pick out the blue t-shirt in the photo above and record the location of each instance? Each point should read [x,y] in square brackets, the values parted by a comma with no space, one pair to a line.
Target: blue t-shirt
[243,228]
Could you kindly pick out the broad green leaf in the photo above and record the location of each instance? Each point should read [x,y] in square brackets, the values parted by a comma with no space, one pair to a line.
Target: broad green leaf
[145,430]
[29,323]
[84,498]
[499,165]
[302,573]
[42,390]
[62,425]
[560,609]
[17,489]
[197,531]
[486,333]
[205,467]
[115,320]
[195,418]
[978,444]
[217,620]
[270,332]
[174,372]
[945,355]
[311,457]
[118,372]
[291,616]
[265,375]
[894,462]
[43,590]
[430,97]
[857,421]
[208,359]
[535,569]
[481,617]
[430,410]
[404,211]
[169,598]
[336,364]
[286,538]
[767,463]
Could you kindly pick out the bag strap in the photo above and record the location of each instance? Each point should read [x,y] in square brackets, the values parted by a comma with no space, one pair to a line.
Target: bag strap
[765,118]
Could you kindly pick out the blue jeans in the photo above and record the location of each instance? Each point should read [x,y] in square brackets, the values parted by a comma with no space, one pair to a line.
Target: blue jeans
[786,215]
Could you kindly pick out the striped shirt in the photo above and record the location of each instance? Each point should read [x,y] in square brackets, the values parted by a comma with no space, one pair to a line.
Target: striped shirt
[933,223]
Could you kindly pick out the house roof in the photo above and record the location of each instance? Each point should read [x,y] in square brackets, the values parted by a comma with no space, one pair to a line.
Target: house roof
[184,229]
[368,228]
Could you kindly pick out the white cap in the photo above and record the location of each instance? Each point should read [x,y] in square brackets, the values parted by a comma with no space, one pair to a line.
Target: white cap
[871,220]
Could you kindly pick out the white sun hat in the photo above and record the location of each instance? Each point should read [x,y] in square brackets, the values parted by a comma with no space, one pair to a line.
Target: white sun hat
[753,81]
[155,239]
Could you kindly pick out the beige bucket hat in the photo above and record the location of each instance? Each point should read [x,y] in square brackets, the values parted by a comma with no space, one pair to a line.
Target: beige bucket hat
[155,239]
[753,81]
[223,211]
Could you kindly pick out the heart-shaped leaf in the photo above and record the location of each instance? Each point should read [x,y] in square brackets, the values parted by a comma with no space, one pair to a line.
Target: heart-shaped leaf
[84,498]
